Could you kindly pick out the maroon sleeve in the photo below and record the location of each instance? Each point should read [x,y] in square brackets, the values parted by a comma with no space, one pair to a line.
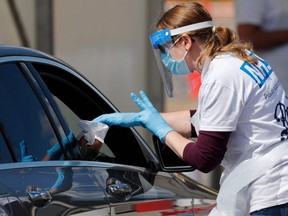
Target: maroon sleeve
[208,151]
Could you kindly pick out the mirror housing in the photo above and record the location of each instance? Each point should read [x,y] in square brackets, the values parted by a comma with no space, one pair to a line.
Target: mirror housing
[169,161]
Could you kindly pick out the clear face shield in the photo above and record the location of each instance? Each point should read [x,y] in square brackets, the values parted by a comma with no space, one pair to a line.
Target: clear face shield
[170,68]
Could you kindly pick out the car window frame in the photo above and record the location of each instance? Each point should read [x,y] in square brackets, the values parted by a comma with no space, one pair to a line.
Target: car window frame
[151,159]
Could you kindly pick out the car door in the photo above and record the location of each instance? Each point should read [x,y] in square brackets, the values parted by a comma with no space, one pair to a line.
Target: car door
[133,181]
[27,116]
[42,100]
[131,161]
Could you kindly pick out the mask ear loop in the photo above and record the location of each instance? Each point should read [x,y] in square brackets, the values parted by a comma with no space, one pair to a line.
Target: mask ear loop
[176,41]
[186,49]
[184,54]
[174,44]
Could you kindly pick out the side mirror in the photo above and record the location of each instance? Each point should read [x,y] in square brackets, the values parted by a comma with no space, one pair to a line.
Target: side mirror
[170,161]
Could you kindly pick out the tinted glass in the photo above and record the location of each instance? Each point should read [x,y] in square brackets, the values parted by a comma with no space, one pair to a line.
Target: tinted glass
[22,117]
[5,156]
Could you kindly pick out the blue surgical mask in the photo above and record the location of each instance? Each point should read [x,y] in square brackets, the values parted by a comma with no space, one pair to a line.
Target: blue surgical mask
[176,67]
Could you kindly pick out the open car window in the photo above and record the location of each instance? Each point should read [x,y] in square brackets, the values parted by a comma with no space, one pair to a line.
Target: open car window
[77,100]
[104,154]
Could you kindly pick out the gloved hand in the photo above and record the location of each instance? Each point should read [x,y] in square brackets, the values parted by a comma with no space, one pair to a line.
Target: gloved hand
[121,119]
[64,180]
[55,151]
[149,117]
[24,152]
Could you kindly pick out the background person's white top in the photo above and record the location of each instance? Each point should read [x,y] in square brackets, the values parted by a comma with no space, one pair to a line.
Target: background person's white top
[238,97]
[270,15]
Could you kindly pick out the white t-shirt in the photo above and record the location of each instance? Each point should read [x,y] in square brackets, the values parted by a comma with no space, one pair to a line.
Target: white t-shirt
[269,15]
[247,100]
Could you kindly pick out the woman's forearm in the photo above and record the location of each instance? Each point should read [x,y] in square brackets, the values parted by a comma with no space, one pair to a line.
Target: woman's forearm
[179,121]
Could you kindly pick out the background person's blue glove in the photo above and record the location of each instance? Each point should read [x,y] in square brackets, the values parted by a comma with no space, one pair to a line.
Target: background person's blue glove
[149,117]
[121,119]
[55,151]
[25,157]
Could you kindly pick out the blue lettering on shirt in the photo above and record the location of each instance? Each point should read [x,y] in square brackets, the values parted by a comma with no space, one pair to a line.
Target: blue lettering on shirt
[260,72]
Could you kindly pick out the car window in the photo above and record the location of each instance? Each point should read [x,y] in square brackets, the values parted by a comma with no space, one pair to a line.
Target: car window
[77,100]
[72,119]
[22,118]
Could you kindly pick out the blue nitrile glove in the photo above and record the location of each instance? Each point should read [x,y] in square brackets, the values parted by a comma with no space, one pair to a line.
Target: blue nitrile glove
[24,152]
[121,119]
[55,151]
[150,117]
[64,180]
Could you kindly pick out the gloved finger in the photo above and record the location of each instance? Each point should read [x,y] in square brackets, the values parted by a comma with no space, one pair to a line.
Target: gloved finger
[103,119]
[146,100]
[110,119]
[28,158]
[23,149]
[71,136]
[138,101]
[68,139]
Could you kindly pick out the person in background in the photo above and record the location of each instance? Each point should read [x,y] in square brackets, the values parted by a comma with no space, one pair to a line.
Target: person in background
[264,24]
[241,119]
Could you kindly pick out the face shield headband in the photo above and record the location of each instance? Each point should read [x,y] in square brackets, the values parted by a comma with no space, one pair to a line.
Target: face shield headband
[162,40]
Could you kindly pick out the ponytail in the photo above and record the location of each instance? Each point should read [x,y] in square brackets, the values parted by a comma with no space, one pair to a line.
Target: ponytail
[222,40]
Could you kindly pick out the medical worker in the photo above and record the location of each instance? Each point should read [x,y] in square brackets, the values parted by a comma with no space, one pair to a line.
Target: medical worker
[241,119]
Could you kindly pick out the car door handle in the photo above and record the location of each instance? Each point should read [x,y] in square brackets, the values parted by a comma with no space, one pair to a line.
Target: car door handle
[40,198]
[119,190]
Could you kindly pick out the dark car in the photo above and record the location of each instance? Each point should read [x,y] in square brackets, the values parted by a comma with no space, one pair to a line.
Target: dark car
[42,101]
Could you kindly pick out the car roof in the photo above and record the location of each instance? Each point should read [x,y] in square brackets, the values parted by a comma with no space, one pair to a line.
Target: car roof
[10,50]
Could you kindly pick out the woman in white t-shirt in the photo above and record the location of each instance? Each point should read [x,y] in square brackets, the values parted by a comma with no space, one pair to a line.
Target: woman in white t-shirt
[241,119]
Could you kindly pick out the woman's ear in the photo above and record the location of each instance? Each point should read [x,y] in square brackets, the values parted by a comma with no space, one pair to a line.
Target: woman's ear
[187,41]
